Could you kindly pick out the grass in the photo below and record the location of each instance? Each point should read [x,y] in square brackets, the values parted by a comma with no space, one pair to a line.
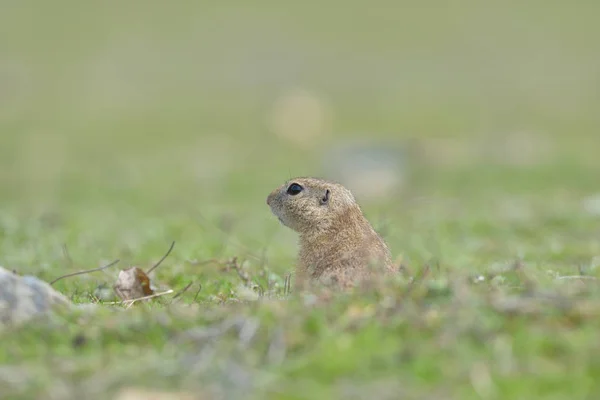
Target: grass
[127,127]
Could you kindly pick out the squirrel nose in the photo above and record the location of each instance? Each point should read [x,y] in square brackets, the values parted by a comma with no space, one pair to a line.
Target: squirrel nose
[271,197]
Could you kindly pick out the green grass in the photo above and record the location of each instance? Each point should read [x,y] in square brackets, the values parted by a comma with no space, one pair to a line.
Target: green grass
[127,127]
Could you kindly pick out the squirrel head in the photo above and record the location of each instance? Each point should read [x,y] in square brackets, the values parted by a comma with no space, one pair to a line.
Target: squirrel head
[308,205]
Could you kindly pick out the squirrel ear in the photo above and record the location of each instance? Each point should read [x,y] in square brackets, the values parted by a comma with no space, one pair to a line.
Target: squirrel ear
[325,198]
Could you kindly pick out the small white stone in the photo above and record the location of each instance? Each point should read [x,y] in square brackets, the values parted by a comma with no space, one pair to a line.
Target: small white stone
[591,204]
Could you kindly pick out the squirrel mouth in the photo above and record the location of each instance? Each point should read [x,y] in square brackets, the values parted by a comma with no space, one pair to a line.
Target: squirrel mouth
[282,221]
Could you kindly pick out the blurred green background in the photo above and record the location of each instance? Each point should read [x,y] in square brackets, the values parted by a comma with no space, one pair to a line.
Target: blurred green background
[116,113]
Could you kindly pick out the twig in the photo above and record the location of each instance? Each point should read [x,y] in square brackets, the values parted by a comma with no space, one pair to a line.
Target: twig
[210,261]
[577,277]
[418,279]
[131,301]
[198,292]
[149,296]
[67,255]
[287,284]
[261,290]
[241,273]
[94,298]
[85,272]
[182,291]
[162,259]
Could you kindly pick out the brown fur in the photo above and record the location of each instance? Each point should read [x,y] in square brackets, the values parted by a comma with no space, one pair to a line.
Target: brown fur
[338,246]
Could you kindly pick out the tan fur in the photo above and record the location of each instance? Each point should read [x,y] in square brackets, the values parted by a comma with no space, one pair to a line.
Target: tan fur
[338,246]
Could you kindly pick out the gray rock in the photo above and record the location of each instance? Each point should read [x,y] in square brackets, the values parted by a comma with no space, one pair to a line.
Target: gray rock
[24,297]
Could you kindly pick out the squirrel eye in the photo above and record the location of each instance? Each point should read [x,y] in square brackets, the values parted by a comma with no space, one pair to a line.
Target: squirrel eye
[294,189]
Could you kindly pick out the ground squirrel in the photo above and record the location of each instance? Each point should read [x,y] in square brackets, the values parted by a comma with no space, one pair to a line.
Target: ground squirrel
[338,246]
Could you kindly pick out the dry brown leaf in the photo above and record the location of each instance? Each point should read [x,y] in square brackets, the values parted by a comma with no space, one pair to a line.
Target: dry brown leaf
[132,283]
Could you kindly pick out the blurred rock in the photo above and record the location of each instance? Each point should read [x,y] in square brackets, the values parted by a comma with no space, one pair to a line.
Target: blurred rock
[441,151]
[369,171]
[299,117]
[103,292]
[591,204]
[516,148]
[24,297]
